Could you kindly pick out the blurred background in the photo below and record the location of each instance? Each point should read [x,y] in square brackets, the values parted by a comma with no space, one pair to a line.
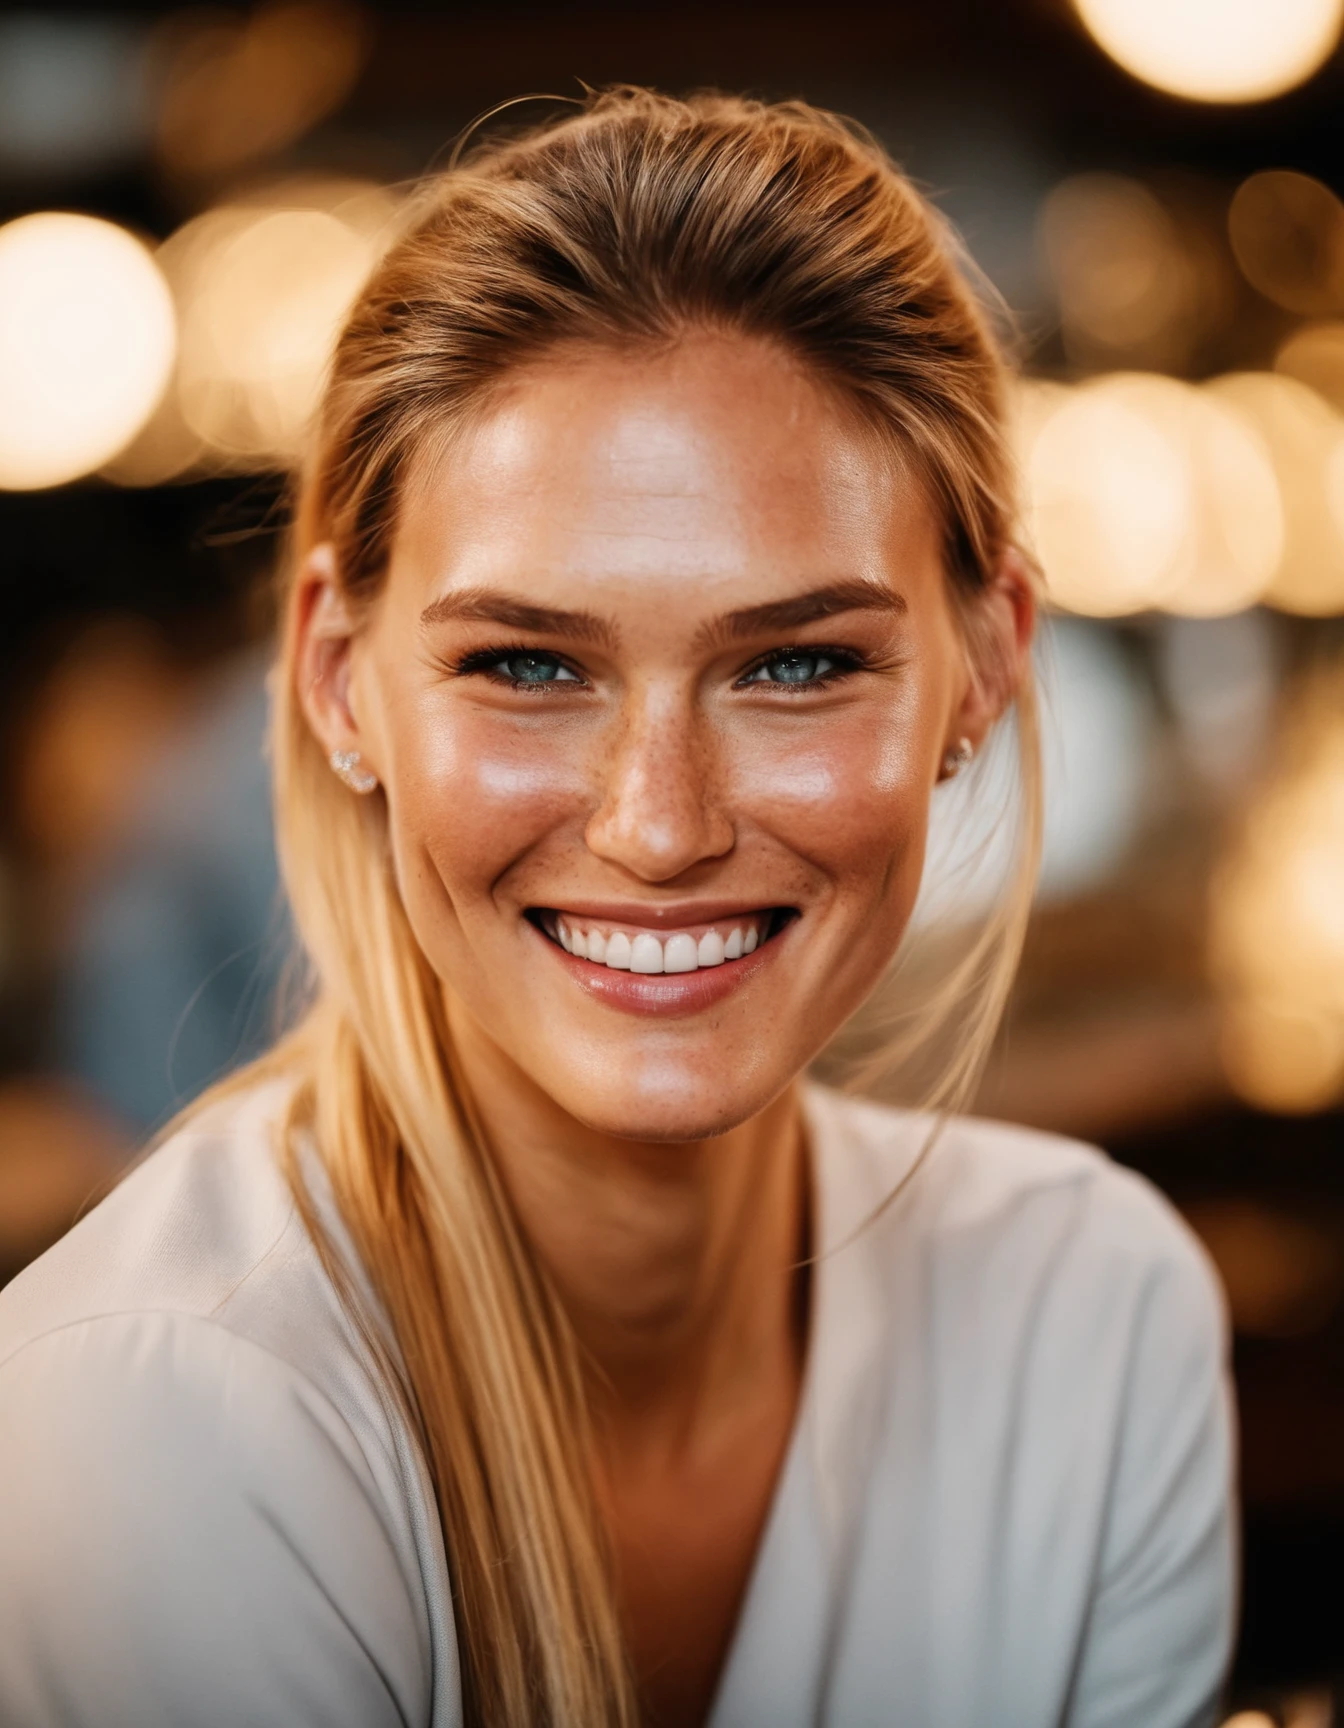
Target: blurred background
[188,201]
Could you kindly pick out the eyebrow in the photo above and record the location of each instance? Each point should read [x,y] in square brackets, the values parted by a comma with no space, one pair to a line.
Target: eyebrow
[491,606]
[853,595]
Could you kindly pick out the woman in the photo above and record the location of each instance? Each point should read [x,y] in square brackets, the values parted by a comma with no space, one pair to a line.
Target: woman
[522,1343]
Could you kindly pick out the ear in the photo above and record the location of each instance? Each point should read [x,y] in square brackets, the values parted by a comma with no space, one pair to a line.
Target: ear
[325,637]
[1000,625]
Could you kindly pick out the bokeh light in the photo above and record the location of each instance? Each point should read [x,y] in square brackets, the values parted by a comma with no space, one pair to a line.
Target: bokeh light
[1287,232]
[87,337]
[262,288]
[1216,50]
[239,89]
[1305,439]
[257,333]
[1314,355]
[1110,507]
[1240,529]
[1313,1709]
[1124,284]
[1144,492]
[1282,1058]
[1277,921]
[1281,1271]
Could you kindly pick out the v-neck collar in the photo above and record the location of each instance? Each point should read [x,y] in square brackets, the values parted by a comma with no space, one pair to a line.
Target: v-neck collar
[792,1614]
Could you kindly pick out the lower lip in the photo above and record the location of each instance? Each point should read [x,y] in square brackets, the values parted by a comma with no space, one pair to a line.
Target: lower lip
[663,993]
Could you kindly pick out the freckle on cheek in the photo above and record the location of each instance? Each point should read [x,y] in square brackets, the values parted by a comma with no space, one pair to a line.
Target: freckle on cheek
[476,812]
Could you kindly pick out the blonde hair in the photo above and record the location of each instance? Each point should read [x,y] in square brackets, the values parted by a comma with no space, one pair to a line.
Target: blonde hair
[626,223]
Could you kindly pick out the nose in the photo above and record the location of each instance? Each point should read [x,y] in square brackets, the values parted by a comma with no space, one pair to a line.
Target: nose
[660,811]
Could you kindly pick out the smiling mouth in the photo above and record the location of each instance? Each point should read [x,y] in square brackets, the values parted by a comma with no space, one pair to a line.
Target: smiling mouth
[630,948]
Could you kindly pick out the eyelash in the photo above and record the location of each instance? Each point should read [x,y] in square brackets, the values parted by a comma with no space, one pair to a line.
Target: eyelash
[845,662]
[484,661]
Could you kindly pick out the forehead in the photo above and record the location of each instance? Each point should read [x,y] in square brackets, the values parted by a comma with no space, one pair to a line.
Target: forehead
[715,474]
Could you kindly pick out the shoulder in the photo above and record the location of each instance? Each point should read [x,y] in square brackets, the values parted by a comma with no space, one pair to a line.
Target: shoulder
[201,1489]
[205,1226]
[1046,1347]
[195,1280]
[1010,1208]
[194,1292]
[194,1532]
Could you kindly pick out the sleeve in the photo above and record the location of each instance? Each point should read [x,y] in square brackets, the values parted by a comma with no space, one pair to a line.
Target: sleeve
[191,1537]
[1160,1629]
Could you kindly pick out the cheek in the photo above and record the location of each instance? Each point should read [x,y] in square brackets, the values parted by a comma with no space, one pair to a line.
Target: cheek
[471,793]
[850,795]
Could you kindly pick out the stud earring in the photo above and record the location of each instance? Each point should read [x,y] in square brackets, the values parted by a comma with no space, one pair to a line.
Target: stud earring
[345,764]
[956,759]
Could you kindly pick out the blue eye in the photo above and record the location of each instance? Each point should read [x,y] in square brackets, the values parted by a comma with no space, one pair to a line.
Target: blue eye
[796,666]
[533,669]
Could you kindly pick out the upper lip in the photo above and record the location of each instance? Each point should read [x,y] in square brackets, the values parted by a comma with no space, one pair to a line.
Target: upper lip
[664,915]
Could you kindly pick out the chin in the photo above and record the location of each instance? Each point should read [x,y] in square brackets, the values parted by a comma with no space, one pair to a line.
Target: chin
[667,1106]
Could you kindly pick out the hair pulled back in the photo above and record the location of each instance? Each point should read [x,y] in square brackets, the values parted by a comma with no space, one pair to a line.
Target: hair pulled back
[624,224]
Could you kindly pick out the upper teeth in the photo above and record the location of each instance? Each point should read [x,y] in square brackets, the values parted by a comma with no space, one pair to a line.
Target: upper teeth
[645,952]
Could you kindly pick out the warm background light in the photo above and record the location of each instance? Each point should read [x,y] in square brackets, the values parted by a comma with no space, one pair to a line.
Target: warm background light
[1277,920]
[1314,355]
[87,336]
[1216,50]
[1121,274]
[239,88]
[1282,1276]
[1143,492]
[1287,232]
[1239,522]
[1110,509]
[257,334]
[1306,441]
[262,287]
[1279,1057]
[1306,1710]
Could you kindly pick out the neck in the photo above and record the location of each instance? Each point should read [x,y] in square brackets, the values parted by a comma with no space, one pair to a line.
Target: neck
[676,1263]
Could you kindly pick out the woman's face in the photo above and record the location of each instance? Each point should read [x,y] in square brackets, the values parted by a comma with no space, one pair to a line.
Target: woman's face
[657,690]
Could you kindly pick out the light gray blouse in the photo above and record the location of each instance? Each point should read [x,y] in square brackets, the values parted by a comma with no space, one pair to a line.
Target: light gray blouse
[1006,1503]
